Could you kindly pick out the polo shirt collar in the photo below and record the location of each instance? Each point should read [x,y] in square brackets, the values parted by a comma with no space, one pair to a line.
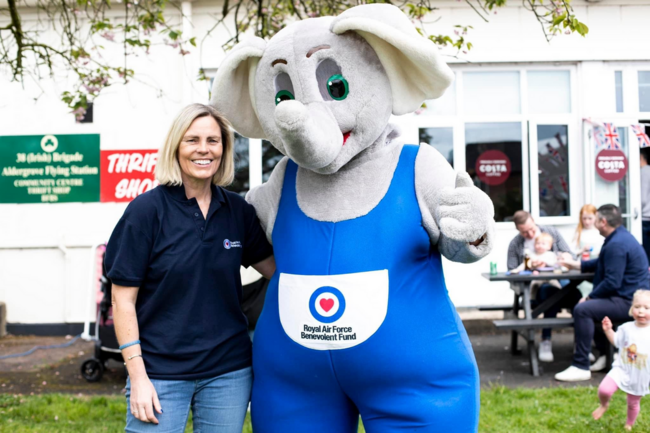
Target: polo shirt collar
[177,192]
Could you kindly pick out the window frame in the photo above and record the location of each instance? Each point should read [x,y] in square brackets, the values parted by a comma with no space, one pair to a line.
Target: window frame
[412,123]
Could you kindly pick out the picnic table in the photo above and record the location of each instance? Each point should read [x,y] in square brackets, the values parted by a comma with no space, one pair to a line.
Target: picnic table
[526,327]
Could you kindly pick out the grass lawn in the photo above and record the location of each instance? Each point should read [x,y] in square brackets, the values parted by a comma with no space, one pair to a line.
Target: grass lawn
[502,410]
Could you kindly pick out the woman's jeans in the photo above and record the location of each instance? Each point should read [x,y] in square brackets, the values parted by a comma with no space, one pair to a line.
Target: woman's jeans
[218,404]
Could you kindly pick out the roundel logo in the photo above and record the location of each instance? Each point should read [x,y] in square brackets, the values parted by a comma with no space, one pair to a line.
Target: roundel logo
[226,244]
[49,143]
[327,304]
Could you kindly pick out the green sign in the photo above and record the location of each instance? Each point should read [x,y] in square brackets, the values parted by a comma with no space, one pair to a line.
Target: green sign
[49,168]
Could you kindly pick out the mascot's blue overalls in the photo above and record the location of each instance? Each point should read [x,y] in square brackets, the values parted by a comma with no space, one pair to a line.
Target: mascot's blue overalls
[357,320]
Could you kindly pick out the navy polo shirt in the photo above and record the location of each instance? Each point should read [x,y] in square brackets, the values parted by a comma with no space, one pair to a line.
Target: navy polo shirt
[187,268]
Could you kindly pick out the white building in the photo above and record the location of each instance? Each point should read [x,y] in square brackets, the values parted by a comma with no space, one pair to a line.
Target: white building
[514,92]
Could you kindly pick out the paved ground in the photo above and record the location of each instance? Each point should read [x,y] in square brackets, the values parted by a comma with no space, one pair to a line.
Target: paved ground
[58,370]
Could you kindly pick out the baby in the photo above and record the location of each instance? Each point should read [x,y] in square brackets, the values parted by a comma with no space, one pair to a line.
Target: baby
[631,371]
[542,256]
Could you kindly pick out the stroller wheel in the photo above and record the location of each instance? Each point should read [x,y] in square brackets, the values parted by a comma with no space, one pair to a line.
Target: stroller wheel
[92,370]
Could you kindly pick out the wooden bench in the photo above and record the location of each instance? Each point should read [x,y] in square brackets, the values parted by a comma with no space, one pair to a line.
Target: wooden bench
[526,324]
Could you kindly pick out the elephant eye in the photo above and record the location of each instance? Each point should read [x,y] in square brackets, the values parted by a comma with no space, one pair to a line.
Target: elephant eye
[338,87]
[331,83]
[283,95]
[283,88]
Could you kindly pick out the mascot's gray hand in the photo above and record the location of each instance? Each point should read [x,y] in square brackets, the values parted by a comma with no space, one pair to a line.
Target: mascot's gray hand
[465,212]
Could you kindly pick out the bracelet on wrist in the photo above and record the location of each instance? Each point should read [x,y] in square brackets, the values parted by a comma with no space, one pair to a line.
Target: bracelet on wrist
[129,344]
[133,356]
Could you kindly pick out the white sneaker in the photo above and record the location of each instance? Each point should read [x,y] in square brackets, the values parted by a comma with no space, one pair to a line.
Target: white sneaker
[592,357]
[573,374]
[600,364]
[545,353]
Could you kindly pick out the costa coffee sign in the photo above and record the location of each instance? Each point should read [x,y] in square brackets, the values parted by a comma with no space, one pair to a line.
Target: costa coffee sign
[493,167]
[611,165]
[125,174]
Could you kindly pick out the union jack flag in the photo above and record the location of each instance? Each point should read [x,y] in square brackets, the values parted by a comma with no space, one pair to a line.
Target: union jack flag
[612,139]
[554,152]
[599,137]
[565,186]
[639,131]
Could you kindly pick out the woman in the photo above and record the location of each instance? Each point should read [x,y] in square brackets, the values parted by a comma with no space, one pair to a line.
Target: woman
[587,237]
[174,260]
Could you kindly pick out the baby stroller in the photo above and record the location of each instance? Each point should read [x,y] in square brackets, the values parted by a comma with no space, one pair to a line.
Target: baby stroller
[106,346]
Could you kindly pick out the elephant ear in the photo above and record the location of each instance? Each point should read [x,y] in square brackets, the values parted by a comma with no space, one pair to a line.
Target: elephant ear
[233,90]
[413,65]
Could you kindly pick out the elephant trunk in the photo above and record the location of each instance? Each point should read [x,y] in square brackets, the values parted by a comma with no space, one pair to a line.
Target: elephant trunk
[310,133]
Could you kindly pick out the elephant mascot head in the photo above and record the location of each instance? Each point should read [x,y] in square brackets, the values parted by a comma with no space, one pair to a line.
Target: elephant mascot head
[322,90]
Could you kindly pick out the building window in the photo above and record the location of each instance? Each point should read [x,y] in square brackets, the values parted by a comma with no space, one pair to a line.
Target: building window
[644,91]
[241,184]
[549,92]
[493,155]
[443,106]
[618,79]
[553,170]
[441,139]
[495,92]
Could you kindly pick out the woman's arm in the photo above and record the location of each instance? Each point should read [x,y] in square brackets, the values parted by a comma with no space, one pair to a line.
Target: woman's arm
[143,395]
[266,267]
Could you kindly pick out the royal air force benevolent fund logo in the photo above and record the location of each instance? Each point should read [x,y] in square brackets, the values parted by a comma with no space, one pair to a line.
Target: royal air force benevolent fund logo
[228,244]
[327,304]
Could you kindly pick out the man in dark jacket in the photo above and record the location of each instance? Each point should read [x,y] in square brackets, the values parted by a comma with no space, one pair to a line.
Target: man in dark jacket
[620,270]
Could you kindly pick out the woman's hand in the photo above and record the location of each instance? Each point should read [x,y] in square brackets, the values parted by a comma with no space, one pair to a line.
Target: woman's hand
[144,400]
[607,324]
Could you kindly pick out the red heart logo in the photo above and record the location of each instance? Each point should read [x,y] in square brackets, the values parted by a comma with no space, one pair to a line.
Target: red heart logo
[326,304]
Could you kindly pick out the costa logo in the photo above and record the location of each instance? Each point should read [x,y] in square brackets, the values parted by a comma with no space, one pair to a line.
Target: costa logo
[327,304]
[611,165]
[493,167]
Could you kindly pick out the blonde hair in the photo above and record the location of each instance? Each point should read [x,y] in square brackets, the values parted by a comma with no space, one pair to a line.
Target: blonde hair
[546,237]
[168,170]
[640,292]
[588,208]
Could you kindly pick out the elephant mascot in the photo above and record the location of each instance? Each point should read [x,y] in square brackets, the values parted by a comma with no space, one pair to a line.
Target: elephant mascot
[357,320]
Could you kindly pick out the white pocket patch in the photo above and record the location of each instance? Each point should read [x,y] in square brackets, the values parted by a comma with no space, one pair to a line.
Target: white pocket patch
[329,312]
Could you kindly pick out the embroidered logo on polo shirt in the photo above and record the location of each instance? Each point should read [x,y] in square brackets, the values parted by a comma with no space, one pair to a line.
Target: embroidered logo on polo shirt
[228,244]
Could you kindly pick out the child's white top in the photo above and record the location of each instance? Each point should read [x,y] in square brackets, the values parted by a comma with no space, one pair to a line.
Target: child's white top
[631,371]
[549,257]
[590,238]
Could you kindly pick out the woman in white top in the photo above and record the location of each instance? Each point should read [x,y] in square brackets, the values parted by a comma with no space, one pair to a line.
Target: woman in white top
[587,237]
[631,371]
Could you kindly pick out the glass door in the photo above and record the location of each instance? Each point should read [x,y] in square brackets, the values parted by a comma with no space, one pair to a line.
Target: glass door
[552,170]
[626,192]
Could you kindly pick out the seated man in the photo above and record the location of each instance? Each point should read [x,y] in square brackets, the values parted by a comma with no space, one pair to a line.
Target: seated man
[525,240]
[620,270]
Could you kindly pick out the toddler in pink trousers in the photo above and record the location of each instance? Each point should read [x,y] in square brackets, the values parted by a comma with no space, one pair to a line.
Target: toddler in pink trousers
[631,371]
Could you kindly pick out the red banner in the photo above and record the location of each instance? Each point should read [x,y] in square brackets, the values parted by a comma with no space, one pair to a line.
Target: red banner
[125,174]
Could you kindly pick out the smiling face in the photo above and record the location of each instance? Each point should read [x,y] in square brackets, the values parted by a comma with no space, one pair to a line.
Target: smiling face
[336,74]
[640,310]
[200,150]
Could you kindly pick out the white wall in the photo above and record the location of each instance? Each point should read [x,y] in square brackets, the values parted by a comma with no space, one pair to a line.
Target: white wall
[44,248]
